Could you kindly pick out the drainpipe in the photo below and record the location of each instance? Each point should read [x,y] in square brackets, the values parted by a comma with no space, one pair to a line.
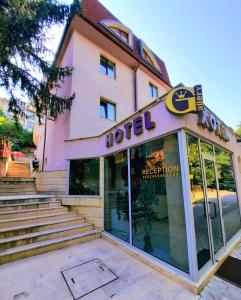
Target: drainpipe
[45,129]
[135,86]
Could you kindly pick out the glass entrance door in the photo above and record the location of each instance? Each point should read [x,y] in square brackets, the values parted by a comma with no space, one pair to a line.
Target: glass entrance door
[213,208]
[214,200]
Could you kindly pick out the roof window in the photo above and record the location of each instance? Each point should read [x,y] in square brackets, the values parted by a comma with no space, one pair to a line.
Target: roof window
[119,30]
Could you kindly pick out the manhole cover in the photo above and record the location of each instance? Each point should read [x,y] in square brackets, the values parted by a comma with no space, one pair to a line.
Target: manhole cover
[87,277]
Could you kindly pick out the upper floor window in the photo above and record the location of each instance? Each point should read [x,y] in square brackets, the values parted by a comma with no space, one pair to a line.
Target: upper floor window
[120,30]
[107,110]
[107,67]
[153,90]
[147,57]
[121,34]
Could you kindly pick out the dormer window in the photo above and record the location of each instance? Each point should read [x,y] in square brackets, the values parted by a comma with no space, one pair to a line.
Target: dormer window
[121,34]
[119,30]
[147,55]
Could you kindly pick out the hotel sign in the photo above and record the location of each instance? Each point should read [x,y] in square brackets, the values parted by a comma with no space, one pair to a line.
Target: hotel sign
[139,124]
[184,100]
[207,120]
[179,101]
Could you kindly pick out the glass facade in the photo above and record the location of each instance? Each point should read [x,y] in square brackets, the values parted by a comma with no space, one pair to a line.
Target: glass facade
[198,202]
[116,216]
[158,219]
[157,205]
[213,205]
[228,193]
[84,177]
[214,198]
[143,197]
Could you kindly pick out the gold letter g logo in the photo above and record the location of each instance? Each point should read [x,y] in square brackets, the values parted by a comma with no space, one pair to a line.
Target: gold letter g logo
[181,101]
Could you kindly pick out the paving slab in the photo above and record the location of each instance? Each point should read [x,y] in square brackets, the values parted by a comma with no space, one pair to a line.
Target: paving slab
[219,289]
[39,277]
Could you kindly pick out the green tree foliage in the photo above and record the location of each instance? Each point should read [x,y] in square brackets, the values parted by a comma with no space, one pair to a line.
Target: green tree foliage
[238,131]
[15,133]
[23,25]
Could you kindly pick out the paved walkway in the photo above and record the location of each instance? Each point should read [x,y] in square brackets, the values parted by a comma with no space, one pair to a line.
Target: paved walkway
[39,277]
[218,289]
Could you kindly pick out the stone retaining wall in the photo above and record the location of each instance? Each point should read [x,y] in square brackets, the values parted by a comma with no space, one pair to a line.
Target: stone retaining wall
[51,182]
[89,207]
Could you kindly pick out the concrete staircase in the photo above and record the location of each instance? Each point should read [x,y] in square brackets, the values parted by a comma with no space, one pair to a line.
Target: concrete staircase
[17,186]
[30,225]
[18,169]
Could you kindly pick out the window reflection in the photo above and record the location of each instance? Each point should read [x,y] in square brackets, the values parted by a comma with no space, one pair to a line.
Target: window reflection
[213,203]
[116,195]
[198,203]
[84,177]
[206,148]
[228,194]
[157,204]
[107,110]
[107,67]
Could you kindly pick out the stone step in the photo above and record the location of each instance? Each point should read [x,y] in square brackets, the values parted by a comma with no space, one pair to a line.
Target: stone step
[8,232]
[22,185]
[16,199]
[18,167]
[18,173]
[14,186]
[15,179]
[18,163]
[37,219]
[17,192]
[16,253]
[31,205]
[43,235]
[4,215]
[15,182]
[13,192]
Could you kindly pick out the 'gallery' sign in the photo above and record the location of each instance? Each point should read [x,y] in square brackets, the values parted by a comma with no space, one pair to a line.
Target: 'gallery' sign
[179,101]
[183,100]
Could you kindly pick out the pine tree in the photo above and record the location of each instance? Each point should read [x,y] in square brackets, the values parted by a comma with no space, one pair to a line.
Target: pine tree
[23,25]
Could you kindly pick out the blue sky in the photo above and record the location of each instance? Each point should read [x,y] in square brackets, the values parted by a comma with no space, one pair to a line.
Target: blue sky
[200,42]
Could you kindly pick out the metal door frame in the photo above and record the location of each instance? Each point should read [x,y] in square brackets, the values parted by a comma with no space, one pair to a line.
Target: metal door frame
[214,256]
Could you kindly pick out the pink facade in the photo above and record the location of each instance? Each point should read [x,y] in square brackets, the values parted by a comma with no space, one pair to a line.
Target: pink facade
[140,116]
[81,49]
[166,123]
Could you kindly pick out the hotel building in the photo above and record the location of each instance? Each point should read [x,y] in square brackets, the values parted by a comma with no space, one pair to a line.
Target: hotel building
[165,187]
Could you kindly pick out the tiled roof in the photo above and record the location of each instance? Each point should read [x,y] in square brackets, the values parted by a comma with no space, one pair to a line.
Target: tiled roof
[94,12]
